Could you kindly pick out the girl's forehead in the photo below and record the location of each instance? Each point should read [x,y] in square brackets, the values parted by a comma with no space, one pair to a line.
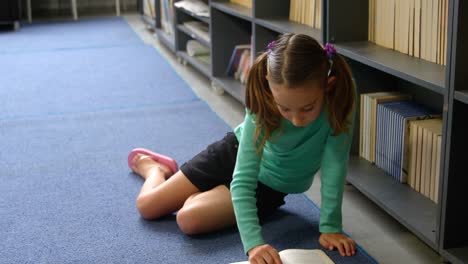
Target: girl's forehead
[297,96]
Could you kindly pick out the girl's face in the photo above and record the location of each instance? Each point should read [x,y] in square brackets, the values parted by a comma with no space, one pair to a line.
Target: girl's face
[301,104]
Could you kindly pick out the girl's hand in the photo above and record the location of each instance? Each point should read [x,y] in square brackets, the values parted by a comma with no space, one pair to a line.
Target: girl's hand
[264,254]
[345,245]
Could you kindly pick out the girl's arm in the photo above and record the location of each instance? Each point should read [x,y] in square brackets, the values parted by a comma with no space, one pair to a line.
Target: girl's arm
[244,185]
[333,174]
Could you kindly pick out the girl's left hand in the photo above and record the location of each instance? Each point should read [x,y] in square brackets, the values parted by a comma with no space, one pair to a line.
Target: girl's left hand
[345,245]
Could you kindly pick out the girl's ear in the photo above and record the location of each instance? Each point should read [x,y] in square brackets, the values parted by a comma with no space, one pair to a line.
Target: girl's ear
[331,83]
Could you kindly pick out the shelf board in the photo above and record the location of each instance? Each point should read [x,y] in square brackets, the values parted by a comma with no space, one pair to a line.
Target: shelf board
[197,64]
[410,208]
[233,9]
[166,39]
[417,71]
[194,35]
[233,87]
[190,13]
[456,255]
[282,25]
[462,96]
[150,21]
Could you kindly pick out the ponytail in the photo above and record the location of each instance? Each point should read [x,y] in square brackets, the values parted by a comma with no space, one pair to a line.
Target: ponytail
[341,98]
[259,101]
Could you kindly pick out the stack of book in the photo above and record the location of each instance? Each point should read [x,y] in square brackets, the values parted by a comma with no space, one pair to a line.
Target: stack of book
[240,63]
[199,51]
[199,28]
[197,7]
[307,12]
[414,27]
[246,3]
[167,16]
[403,139]
[148,8]
[424,157]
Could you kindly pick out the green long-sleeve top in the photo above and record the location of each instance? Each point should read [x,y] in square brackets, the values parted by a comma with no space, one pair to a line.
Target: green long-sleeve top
[288,164]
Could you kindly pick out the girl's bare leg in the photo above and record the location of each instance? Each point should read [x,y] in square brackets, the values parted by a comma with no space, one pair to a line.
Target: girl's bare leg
[207,211]
[199,212]
[160,196]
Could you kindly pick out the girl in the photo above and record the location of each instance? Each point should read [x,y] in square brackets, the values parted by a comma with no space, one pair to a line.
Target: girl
[299,117]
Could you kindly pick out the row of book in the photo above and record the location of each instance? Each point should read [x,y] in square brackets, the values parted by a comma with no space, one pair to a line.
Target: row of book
[167,16]
[246,3]
[240,62]
[197,7]
[148,8]
[414,27]
[402,138]
[199,29]
[199,51]
[308,12]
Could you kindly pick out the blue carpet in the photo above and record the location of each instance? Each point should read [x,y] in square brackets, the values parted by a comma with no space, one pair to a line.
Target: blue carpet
[66,194]
[39,83]
[64,35]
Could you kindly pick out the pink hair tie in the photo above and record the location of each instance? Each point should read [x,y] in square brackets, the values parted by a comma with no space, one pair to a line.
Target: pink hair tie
[271,46]
[330,49]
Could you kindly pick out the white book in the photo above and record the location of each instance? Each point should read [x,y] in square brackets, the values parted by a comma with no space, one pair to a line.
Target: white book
[301,256]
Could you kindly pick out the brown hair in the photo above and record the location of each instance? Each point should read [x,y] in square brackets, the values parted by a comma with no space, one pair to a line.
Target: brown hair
[292,60]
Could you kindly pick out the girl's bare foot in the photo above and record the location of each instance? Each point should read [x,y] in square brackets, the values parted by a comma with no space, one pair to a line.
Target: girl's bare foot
[145,166]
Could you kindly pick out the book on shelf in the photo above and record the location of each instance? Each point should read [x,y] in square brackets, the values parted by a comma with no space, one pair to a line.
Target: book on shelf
[206,59]
[234,61]
[301,256]
[246,3]
[199,28]
[195,48]
[414,27]
[368,120]
[148,8]
[425,155]
[167,16]
[307,12]
[392,135]
[197,7]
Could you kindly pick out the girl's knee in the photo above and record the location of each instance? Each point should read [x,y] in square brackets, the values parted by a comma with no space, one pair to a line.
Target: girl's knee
[146,211]
[189,221]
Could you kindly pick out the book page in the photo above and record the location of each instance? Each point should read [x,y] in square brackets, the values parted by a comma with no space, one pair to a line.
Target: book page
[304,256]
[301,256]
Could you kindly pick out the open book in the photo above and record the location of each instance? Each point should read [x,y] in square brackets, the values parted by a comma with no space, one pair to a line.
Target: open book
[301,256]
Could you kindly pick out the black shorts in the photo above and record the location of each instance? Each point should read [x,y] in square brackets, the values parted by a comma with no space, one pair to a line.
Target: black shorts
[214,166]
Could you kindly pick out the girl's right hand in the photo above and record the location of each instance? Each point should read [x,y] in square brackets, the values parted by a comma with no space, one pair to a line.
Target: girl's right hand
[264,254]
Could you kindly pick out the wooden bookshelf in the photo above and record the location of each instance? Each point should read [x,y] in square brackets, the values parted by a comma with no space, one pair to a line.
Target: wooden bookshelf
[417,71]
[236,10]
[462,96]
[169,40]
[191,14]
[193,35]
[454,231]
[150,21]
[233,87]
[415,211]
[184,34]
[284,25]
[197,64]
[166,39]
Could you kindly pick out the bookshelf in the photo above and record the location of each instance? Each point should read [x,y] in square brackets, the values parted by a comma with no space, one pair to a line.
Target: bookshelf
[375,68]
[184,34]
[169,40]
[10,14]
[231,26]
[454,231]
